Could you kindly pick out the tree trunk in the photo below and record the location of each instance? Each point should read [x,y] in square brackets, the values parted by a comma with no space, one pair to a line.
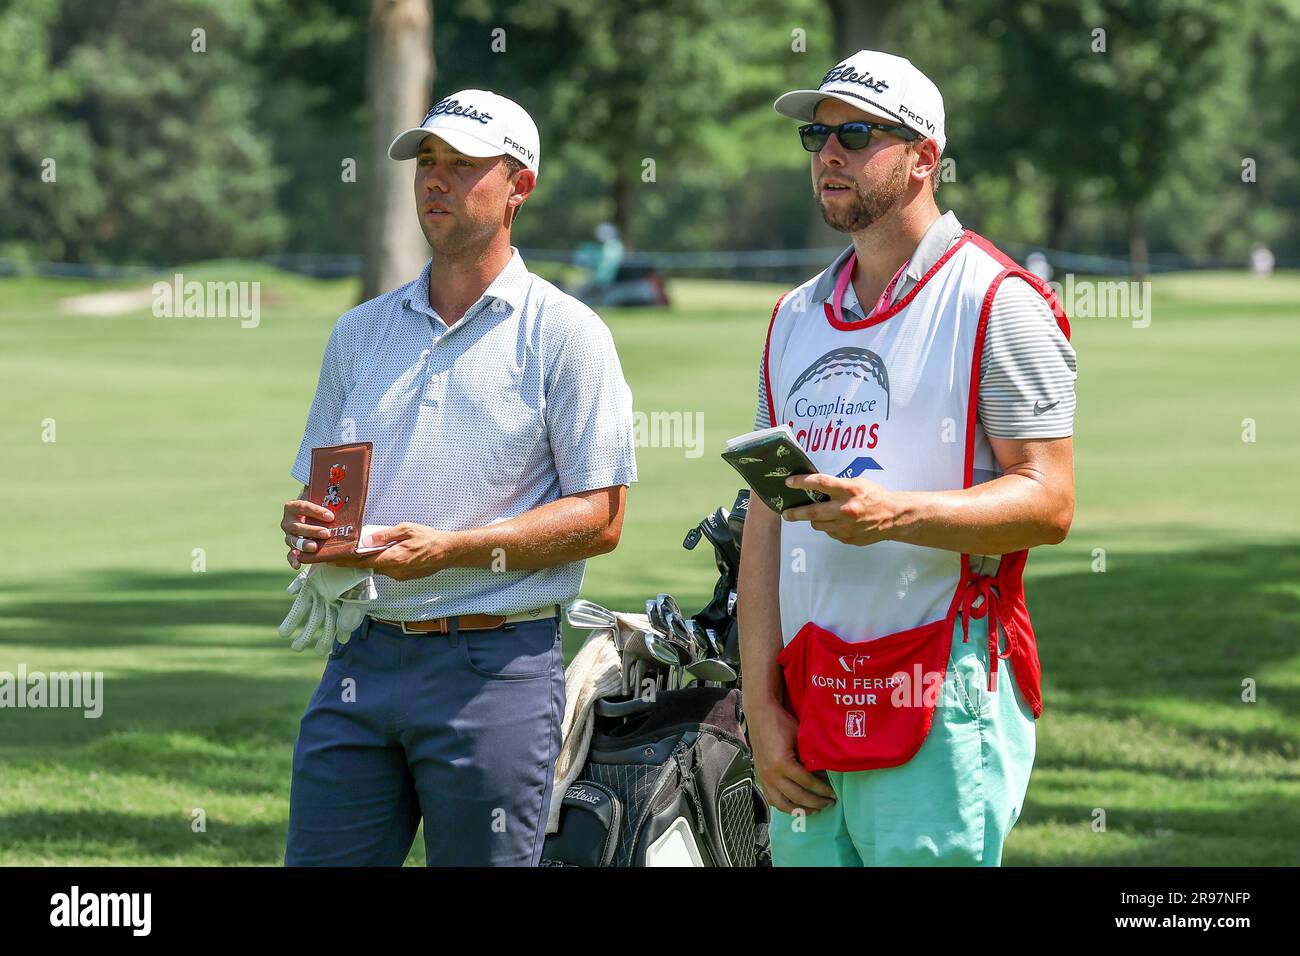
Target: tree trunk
[1137,242]
[866,25]
[1058,210]
[855,25]
[399,80]
[624,195]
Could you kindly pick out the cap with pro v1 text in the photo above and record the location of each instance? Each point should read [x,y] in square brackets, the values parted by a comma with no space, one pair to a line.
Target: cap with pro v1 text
[880,83]
[476,123]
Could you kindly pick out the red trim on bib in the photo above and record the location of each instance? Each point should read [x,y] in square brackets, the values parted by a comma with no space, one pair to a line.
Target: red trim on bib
[1005,260]
[767,361]
[1013,268]
[862,705]
[842,286]
[902,303]
[1001,597]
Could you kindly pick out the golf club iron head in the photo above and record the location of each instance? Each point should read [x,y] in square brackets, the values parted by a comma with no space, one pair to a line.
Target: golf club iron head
[678,631]
[704,646]
[711,671]
[662,651]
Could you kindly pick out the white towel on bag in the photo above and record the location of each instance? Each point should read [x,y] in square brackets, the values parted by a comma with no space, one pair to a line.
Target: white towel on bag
[595,671]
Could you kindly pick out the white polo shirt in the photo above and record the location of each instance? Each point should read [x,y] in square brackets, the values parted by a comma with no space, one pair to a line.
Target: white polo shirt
[520,402]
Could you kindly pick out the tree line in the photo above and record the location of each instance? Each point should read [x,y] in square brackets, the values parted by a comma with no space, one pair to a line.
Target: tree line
[164,131]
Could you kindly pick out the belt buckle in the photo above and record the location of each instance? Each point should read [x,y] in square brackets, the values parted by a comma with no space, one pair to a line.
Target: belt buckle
[442,628]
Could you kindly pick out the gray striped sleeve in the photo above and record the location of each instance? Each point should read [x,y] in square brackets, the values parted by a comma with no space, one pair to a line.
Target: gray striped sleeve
[1028,369]
[762,419]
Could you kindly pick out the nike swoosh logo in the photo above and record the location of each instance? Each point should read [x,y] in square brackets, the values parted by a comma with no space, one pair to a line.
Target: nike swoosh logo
[1039,407]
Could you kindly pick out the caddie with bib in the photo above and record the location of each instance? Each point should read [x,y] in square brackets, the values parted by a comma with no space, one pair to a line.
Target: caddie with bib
[930,380]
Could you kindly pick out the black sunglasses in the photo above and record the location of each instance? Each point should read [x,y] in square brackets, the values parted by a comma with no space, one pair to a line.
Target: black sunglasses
[851,135]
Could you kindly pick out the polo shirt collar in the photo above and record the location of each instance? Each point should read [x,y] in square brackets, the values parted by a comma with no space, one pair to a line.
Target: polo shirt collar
[940,235]
[943,232]
[511,282]
[510,286]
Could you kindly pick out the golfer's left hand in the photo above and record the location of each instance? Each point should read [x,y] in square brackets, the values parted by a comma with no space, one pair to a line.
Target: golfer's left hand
[860,512]
[410,551]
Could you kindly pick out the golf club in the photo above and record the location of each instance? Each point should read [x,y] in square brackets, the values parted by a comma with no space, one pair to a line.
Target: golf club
[678,632]
[705,639]
[589,616]
[711,672]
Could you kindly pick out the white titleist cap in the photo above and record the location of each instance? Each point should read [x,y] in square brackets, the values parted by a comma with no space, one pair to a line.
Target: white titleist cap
[875,82]
[476,123]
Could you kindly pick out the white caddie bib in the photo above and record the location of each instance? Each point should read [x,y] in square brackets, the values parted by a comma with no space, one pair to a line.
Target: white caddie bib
[891,398]
[887,398]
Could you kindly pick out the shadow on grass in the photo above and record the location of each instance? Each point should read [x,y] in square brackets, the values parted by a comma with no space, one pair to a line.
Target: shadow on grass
[1165,639]
[108,835]
[1259,828]
[128,609]
[1191,627]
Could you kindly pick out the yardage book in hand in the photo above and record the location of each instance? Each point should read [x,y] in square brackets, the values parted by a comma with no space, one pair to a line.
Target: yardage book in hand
[340,478]
[765,459]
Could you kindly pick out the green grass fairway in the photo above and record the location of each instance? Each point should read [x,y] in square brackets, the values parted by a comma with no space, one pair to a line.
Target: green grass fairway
[177,434]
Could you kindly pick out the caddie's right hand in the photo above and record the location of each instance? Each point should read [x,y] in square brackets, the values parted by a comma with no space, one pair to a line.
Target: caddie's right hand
[300,536]
[773,734]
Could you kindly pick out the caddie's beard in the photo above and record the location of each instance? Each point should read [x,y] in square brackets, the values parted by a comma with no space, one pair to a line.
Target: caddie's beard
[866,207]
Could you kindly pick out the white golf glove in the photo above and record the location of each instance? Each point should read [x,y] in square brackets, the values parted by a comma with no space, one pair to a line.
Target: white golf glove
[330,603]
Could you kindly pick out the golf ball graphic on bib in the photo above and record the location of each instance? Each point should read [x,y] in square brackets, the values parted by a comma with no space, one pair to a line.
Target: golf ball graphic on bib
[836,407]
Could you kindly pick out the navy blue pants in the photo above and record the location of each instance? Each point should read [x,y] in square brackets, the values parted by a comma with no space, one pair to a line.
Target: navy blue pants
[461,730]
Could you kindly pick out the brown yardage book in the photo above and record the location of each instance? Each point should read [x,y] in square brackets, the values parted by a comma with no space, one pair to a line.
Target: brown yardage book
[340,478]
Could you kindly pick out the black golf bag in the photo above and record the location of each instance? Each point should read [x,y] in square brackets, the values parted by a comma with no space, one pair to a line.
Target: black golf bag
[668,783]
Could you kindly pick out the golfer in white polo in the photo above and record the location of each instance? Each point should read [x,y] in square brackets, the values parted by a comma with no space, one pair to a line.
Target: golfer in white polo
[503,449]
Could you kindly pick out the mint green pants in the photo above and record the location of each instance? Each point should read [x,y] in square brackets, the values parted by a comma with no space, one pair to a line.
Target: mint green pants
[950,805]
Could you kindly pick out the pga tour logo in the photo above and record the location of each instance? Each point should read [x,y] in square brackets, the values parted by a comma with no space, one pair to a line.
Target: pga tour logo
[855,723]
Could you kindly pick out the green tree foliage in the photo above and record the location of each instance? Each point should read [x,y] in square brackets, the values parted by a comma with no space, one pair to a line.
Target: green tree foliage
[687,84]
[1102,103]
[157,157]
[310,69]
[163,154]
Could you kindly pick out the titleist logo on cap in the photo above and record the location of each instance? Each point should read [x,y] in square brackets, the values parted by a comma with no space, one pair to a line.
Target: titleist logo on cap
[846,74]
[455,108]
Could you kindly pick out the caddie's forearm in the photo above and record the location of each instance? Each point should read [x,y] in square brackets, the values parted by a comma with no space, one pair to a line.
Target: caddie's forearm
[1010,513]
[559,532]
[758,607]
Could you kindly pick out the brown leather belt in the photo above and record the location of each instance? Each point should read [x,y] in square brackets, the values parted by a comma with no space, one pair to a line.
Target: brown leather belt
[469,622]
